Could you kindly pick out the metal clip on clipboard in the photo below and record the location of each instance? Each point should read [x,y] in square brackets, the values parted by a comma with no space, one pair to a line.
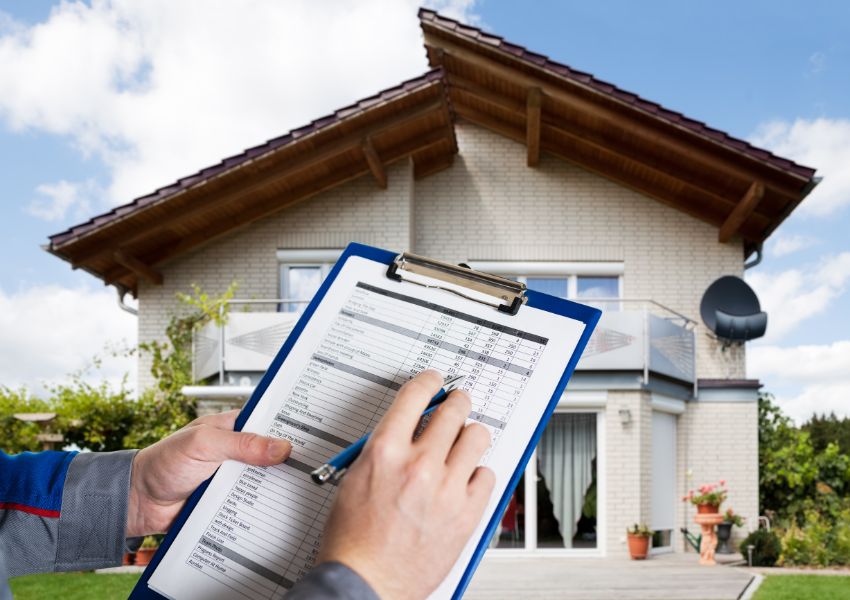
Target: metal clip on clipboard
[508,295]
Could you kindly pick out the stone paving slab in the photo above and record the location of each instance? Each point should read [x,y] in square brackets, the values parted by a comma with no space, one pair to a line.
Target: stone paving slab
[666,577]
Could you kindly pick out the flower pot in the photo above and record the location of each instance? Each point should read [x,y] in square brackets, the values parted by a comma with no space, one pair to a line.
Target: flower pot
[144,556]
[638,546]
[708,508]
[724,534]
[128,558]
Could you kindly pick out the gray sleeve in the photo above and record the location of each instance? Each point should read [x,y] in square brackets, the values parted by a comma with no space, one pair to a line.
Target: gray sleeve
[332,581]
[89,532]
[93,520]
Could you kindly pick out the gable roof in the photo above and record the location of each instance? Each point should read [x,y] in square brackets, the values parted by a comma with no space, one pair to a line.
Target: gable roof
[411,119]
[488,81]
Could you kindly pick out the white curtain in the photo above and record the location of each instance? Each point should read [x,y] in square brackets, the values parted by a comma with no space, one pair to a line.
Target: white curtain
[566,454]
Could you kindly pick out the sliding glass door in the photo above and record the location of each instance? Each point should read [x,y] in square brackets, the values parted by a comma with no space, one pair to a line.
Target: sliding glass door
[556,504]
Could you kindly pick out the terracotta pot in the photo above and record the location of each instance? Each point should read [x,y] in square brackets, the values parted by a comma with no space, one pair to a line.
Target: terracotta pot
[129,558]
[708,508]
[144,556]
[638,546]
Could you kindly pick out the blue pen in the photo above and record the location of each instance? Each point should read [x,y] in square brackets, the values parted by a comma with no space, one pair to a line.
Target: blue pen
[335,468]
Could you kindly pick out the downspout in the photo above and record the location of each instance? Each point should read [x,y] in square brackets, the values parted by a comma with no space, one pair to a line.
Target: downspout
[757,259]
[125,307]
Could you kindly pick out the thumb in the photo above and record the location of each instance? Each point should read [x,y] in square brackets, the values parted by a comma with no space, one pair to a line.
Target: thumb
[250,448]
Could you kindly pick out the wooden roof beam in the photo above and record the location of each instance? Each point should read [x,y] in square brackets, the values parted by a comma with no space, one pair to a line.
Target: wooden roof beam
[741,212]
[137,267]
[533,103]
[374,162]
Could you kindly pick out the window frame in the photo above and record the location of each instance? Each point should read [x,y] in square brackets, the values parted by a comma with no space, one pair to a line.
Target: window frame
[323,258]
[571,271]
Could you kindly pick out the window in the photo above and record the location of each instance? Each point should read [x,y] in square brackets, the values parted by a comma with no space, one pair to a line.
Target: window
[580,281]
[559,510]
[301,274]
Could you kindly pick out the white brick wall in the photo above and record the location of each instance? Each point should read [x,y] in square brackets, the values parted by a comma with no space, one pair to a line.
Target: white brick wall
[629,460]
[719,440]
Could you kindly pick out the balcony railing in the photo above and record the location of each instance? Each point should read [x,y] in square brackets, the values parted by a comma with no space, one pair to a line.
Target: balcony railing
[632,335]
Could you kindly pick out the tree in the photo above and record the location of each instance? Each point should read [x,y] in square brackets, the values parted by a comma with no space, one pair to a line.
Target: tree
[825,429]
[793,475]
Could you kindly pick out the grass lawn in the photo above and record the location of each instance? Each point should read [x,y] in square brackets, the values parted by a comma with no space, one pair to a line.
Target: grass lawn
[73,586]
[804,587]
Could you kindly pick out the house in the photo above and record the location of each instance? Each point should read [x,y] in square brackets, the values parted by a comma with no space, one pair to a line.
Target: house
[517,165]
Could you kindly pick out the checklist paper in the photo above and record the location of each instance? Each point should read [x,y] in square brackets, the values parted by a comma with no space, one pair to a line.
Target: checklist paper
[257,530]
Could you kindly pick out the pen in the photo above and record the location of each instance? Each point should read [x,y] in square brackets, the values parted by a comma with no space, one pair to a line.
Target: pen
[335,468]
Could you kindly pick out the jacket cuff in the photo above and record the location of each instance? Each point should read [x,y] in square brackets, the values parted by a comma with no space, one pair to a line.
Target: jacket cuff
[93,520]
[332,581]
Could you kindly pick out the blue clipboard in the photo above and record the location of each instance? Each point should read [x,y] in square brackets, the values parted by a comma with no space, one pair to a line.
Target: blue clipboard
[579,312]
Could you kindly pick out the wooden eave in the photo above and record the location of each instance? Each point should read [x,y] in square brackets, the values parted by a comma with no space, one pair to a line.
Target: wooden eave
[744,191]
[127,245]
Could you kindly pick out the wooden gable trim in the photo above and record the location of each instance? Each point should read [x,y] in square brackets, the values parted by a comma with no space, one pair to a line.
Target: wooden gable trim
[272,177]
[775,181]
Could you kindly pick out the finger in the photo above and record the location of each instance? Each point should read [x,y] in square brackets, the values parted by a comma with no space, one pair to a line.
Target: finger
[217,445]
[445,425]
[225,420]
[480,488]
[467,451]
[401,419]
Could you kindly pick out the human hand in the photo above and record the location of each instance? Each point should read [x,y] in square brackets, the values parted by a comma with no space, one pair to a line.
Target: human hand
[406,507]
[166,473]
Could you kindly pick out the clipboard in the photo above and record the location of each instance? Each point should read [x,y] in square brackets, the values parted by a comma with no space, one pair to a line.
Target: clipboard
[504,295]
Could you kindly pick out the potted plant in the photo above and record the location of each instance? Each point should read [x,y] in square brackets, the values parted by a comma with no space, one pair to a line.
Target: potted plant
[724,530]
[148,548]
[708,498]
[639,536]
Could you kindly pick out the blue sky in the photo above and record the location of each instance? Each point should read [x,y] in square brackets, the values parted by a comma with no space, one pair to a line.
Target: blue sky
[99,105]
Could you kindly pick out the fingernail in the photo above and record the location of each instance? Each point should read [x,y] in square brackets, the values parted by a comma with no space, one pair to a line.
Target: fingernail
[278,450]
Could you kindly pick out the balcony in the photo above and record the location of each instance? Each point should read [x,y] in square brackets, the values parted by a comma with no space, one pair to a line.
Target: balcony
[640,336]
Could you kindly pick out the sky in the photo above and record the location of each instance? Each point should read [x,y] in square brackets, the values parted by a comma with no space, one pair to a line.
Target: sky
[104,101]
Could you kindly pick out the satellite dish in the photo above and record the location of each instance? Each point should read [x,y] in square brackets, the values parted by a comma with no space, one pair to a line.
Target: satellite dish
[731,309]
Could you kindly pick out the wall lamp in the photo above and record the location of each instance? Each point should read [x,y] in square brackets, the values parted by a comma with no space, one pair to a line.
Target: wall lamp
[625,416]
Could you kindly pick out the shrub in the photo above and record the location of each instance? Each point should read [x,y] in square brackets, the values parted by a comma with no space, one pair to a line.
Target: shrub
[807,545]
[841,538]
[19,436]
[767,547]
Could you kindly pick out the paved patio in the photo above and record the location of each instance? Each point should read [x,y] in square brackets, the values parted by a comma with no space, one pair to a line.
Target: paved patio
[663,577]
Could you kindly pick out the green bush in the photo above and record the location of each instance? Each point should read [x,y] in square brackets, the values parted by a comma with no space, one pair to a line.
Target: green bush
[19,436]
[841,538]
[807,545]
[767,547]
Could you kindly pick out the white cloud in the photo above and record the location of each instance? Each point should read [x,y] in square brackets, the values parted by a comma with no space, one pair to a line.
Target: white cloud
[807,378]
[159,89]
[783,245]
[50,331]
[790,297]
[57,199]
[803,364]
[820,143]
